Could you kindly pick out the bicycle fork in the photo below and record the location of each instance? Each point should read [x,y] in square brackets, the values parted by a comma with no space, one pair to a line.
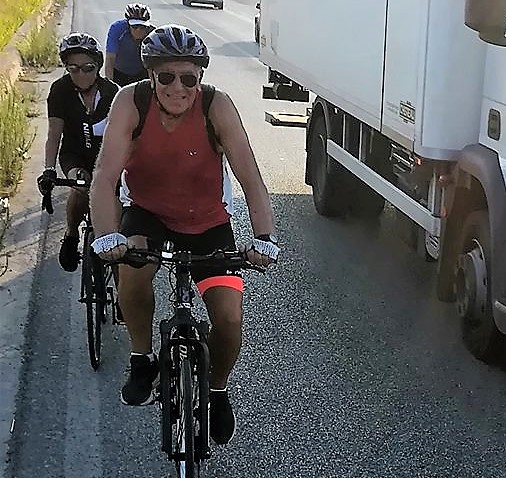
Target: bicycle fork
[173,349]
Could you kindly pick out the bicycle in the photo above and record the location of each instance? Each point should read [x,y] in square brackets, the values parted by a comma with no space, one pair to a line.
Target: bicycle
[184,357]
[97,291]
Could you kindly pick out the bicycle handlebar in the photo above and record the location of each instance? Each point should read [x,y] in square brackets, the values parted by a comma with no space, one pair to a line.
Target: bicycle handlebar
[231,260]
[47,200]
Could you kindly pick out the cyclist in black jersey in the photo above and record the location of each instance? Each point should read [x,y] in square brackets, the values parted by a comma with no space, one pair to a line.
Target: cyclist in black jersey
[78,105]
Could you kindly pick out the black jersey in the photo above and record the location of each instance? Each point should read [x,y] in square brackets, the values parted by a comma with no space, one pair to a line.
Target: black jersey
[82,132]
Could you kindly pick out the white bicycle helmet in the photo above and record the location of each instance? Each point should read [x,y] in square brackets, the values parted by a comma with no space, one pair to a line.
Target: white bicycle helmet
[81,43]
[138,14]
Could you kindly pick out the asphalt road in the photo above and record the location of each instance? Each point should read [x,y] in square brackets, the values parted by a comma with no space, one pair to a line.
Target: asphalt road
[350,367]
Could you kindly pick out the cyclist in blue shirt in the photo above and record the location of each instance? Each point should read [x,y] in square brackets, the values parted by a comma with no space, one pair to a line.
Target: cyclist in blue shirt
[122,58]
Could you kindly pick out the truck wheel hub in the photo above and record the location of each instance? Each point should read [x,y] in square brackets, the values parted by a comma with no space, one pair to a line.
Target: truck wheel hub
[471,283]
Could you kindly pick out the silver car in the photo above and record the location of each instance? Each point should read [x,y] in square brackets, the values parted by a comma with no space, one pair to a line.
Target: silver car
[215,3]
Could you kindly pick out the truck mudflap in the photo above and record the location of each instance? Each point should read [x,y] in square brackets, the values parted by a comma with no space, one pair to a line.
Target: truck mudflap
[478,184]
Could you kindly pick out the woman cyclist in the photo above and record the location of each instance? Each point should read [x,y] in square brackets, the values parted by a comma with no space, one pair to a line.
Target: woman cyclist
[78,105]
[122,58]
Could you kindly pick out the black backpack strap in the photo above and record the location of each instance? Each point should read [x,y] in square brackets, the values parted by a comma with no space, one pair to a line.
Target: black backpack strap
[142,99]
[207,98]
[143,95]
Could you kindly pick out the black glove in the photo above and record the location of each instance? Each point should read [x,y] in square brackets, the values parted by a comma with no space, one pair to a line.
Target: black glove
[45,181]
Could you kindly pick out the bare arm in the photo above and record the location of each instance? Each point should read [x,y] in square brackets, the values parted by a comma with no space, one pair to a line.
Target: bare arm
[110,61]
[114,153]
[54,134]
[235,143]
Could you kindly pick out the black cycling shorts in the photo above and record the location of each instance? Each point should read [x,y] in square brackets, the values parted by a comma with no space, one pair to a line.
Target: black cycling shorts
[72,161]
[136,221]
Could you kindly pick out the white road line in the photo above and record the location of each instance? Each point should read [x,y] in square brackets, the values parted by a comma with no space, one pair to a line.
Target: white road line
[82,443]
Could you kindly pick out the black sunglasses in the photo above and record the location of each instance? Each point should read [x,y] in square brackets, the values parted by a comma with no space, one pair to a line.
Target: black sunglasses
[139,27]
[86,68]
[166,78]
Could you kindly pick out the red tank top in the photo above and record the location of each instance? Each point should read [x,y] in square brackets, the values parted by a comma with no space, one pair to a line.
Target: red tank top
[178,176]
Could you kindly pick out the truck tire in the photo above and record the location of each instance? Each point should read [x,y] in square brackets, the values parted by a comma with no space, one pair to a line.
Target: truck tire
[472,291]
[329,180]
[368,204]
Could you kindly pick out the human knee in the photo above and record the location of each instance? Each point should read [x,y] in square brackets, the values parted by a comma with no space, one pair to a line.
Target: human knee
[225,313]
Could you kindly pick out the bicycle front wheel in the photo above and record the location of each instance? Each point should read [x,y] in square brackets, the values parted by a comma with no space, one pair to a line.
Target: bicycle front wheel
[185,434]
[93,295]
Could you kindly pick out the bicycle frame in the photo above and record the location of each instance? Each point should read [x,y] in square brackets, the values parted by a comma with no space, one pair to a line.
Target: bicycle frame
[96,291]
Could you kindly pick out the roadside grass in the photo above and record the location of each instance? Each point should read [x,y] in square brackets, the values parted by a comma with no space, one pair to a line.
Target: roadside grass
[16,135]
[18,103]
[12,15]
[38,49]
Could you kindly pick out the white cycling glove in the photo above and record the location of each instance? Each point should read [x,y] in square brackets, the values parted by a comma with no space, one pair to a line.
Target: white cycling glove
[108,242]
[266,248]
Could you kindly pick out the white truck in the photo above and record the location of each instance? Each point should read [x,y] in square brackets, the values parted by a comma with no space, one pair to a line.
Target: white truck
[409,107]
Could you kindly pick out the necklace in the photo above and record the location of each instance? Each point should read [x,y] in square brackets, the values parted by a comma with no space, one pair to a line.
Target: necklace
[88,100]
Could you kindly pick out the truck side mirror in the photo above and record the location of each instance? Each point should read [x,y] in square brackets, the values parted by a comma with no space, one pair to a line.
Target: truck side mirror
[488,18]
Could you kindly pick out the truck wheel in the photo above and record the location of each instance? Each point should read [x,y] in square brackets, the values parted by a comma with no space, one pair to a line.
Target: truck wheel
[331,191]
[472,291]
[368,203]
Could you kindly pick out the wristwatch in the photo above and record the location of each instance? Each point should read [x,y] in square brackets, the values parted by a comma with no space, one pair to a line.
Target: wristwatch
[267,238]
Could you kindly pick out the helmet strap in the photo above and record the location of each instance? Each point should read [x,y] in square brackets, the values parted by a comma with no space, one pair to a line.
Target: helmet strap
[170,115]
[86,90]
[159,103]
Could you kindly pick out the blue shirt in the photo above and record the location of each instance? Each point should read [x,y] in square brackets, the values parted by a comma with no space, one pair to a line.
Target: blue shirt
[126,48]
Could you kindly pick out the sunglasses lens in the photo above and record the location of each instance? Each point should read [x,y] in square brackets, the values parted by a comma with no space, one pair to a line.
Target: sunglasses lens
[166,78]
[88,68]
[189,80]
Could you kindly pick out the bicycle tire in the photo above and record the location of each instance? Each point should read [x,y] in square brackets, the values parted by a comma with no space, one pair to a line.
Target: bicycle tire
[185,433]
[166,376]
[94,297]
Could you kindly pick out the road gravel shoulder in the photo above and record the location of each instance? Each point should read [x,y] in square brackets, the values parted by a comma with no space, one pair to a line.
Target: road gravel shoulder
[24,242]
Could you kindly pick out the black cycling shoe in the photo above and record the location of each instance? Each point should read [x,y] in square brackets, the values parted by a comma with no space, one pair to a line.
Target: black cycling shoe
[140,388]
[221,417]
[69,255]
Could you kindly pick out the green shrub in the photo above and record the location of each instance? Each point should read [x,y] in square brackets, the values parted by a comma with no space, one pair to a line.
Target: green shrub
[16,135]
[12,15]
[39,48]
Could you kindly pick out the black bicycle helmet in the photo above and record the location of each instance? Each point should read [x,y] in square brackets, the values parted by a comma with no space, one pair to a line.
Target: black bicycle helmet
[139,12]
[81,43]
[174,43]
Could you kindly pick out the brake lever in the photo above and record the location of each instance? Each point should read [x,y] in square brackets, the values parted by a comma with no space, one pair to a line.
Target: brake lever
[47,203]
